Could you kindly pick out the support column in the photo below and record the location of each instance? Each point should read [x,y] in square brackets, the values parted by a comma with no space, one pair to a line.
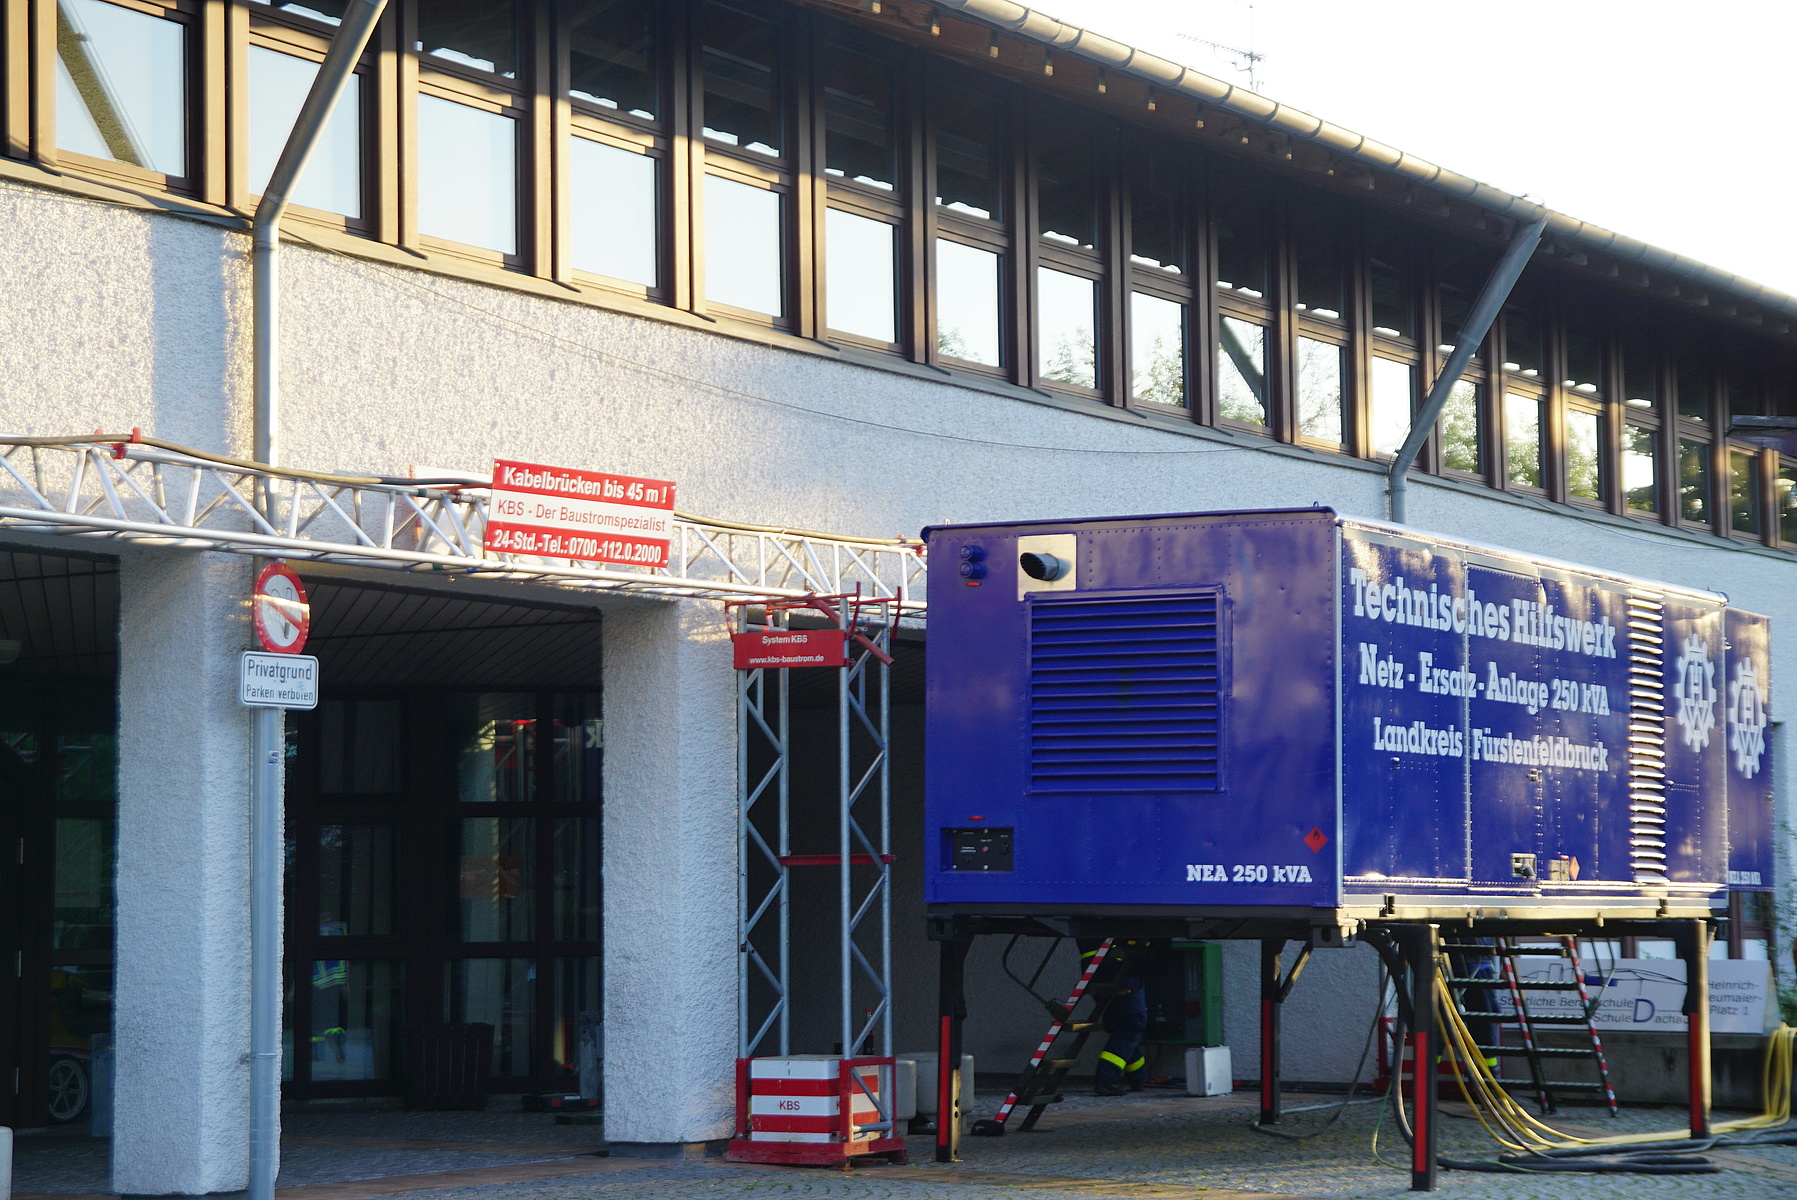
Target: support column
[1421,948]
[1270,951]
[670,878]
[1694,948]
[181,1002]
[951,1008]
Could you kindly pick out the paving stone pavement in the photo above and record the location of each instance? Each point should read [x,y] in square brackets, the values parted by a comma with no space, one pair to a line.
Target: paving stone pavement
[1166,1148]
[1156,1146]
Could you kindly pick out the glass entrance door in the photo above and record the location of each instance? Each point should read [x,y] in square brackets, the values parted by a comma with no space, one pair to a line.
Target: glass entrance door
[444,866]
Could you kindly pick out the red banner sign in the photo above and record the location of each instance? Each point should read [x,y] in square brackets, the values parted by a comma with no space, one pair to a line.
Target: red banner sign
[588,516]
[792,648]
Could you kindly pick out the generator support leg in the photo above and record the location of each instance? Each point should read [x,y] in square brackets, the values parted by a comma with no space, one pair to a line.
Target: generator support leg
[1694,948]
[1270,951]
[952,1015]
[1421,945]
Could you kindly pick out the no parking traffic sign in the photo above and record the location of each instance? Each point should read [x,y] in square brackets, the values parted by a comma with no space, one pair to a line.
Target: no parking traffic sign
[282,677]
[283,618]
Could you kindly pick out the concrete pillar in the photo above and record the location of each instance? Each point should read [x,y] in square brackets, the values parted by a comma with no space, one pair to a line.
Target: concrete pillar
[181,1008]
[670,878]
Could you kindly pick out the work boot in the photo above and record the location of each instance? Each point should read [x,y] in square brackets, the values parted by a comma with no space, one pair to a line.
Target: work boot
[1110,1087]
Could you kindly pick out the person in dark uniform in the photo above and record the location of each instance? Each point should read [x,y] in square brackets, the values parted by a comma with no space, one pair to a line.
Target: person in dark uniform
[1120,1063]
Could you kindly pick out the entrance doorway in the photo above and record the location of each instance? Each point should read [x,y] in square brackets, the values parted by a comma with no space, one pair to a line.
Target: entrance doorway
[58,823]
[443,824]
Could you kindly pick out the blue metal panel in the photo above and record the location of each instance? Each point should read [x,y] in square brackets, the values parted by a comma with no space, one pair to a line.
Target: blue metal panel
[1696,744]
[1281,708]
[1092,721]
[1749,705]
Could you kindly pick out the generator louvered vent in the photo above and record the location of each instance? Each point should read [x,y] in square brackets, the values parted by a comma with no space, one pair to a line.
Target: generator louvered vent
[1125,693]
[1647,737]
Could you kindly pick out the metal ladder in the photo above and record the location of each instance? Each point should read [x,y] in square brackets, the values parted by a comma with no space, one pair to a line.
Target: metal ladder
[1039,1083]
[1507,952]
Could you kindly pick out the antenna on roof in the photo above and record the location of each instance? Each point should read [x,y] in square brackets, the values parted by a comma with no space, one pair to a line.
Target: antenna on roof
[1241,60]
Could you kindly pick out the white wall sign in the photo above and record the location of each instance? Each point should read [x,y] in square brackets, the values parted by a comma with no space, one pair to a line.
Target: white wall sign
[1647,993]
[278,680]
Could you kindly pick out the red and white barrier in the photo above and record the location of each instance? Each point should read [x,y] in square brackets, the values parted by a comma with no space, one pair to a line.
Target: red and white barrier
[814,1109]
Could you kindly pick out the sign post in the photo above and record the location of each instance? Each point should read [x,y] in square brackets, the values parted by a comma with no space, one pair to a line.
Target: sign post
[277,678]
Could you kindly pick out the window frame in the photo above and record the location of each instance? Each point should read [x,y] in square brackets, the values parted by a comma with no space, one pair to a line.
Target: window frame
[201,131]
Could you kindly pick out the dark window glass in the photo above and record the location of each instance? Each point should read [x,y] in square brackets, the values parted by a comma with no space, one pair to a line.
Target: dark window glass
[1157,221]
[1694,481]
[88,767]
[1241,371]
[1739,399]
[1462,442]
[1693,391]
[1462,272]
[579,1022]
[358,746]
[497,879]
[1744,492]
[1641,469]
[1525,350]
[611,56]
[1641,375]
[355,1013]
[859,142]
[81,917]
[967,155]
[1317,249]
[1584,356]
[499,992]
[742,86]
[121,85]
[1390,275]
[1240,222]
[1522,439]
[1787,505]
[1067,200]
[576,884]
[495,740]
[1584,434]
[579,747]
[482,34]
[358,869]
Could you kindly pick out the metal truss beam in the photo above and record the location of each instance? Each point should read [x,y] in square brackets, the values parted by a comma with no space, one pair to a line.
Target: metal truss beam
[146,494]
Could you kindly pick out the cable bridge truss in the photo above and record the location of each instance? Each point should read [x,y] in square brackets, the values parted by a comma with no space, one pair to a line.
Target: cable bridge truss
[112,488]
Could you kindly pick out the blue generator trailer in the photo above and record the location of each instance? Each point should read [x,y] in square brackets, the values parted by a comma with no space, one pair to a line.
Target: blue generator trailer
[1293,725]
[1301,713]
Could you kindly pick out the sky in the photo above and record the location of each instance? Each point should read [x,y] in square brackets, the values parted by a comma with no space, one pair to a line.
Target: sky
[1667,122]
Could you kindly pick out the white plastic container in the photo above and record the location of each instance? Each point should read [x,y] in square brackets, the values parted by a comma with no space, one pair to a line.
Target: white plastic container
[1208,1071]
[926,1081]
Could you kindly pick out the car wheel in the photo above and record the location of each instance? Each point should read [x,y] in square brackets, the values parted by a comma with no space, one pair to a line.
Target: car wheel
[69,1090]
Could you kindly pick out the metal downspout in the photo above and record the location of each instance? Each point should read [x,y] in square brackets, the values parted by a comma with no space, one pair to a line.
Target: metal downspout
[268,731]
[1466,344]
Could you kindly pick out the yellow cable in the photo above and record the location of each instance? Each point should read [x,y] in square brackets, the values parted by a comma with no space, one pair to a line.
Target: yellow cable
[1494,1101]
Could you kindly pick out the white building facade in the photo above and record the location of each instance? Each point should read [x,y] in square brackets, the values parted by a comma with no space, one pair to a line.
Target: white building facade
[825,268]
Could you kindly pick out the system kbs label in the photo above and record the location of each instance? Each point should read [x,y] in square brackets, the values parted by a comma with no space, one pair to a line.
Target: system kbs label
[586,516]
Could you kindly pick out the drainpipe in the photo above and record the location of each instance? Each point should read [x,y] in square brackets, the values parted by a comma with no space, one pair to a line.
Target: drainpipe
[268,732]
[1466,344]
